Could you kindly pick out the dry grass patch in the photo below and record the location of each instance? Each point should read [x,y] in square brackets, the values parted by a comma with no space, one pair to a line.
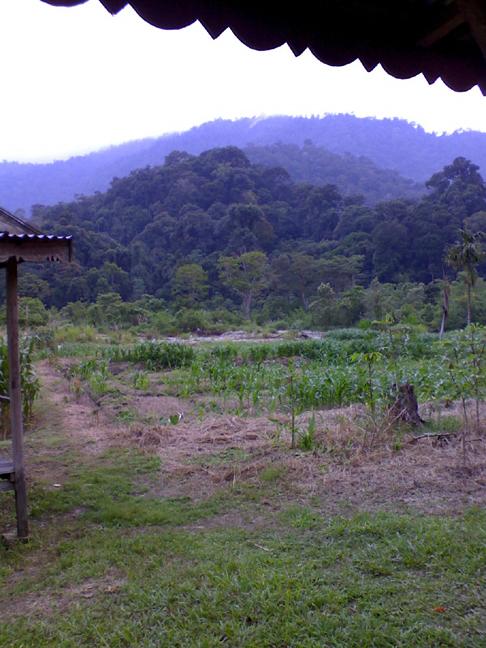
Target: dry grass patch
[47,602]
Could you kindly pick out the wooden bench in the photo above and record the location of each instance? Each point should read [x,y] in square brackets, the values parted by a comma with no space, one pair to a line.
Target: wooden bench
[7,475]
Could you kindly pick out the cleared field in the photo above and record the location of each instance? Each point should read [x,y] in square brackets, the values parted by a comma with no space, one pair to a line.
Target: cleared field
[169,507]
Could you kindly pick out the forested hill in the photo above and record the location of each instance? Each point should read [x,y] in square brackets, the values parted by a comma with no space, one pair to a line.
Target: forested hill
[169,228]
[389,144]
[351,175]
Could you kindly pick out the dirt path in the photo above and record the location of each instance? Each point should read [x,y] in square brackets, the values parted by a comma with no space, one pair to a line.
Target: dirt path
[83,421]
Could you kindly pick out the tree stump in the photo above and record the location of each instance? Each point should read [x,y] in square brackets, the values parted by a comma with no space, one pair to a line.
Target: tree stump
[405,406]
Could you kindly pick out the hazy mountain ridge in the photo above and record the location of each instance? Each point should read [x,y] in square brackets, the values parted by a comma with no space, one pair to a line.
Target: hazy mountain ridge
[391,144]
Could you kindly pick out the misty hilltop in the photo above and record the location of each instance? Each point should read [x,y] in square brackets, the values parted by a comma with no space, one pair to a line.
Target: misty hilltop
[379,159]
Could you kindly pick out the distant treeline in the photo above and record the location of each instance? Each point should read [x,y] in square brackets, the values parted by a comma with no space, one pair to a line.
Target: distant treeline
[215,231]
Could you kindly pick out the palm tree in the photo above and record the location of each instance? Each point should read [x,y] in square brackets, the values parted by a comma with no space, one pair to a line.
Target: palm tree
[465,256]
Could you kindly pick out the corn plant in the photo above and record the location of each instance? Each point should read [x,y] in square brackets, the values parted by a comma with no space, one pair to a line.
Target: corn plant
[307,439]
[98,384]
[289,401]
[29,380]
[464,359]
[369,361]
[141,380]
[154,355]
[476,351]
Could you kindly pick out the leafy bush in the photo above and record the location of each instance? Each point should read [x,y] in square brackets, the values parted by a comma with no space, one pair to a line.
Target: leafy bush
[43,338]
[141,381]
[32,312]
[163,323]
[190,320]
[75,334]
[29,381]
[155,355]
[87,368]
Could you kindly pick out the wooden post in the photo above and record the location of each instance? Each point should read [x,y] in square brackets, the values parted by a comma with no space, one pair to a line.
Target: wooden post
[16,423]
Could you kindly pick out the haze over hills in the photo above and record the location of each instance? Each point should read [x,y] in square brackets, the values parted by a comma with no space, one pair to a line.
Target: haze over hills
[396,153]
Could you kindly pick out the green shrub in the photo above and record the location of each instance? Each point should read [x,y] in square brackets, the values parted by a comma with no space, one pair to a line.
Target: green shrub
[75,334]
[190,320]
[29,381]
[163,323]
[44,338]
[141,381]
[154,355]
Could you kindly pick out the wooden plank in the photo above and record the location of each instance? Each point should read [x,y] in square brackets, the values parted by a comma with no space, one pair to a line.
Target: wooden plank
[443,30]
[475,13]
[16,423]
[6,467]
[6,485]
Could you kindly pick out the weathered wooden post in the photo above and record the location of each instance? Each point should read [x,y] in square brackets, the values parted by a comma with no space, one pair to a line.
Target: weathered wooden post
[15,393]
[19,242]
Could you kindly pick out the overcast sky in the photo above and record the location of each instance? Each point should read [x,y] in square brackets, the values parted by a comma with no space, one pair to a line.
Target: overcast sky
[78,79]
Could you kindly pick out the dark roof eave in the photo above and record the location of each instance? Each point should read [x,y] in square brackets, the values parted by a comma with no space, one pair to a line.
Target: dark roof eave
[36,248]
[406,40]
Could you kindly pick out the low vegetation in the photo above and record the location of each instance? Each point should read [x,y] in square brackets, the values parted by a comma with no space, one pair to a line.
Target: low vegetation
[221,494]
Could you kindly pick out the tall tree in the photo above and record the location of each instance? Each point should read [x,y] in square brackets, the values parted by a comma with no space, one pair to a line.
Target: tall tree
[297,274]
[246,274]
[190,284]
[464,256]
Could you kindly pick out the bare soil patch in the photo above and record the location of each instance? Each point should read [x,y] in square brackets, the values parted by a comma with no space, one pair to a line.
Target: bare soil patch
[47,602]
[201,456]
[82,419]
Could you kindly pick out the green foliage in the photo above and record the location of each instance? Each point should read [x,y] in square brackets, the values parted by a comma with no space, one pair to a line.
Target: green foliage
[74,333]
[86,368]
[141,381]
[190,284]
[28,378]
[189,320]
[164,323]
[350,152]
[208,233]
[32,312]
[458,303]
[465,360]
[307,438]
[465,255]
[154,355]
[321,374]
[97,384]
[246,274]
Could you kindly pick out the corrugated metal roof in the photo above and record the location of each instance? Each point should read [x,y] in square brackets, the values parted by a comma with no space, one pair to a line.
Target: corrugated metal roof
[33,237]
[37,248]
[14,223]
[437,38]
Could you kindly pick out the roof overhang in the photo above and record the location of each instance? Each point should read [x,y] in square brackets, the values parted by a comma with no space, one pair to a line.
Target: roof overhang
[22,241]
[443,39]
[35,247]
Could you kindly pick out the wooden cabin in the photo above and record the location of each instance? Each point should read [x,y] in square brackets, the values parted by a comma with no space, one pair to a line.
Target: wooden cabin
[21,242]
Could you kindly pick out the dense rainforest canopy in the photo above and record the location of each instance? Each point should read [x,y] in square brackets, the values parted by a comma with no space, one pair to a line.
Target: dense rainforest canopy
[218,231]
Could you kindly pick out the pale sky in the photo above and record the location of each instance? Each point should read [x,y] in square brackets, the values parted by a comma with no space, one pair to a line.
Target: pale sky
[76,80]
